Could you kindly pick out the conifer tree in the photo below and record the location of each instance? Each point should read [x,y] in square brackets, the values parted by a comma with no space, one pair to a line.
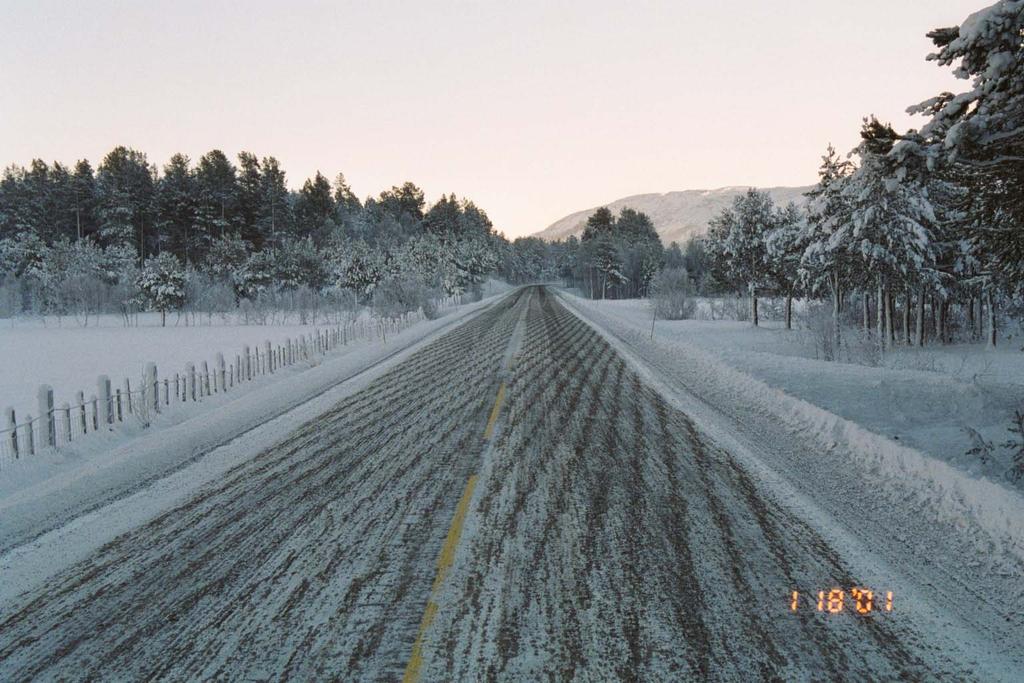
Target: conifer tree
[217,201]
[176,212]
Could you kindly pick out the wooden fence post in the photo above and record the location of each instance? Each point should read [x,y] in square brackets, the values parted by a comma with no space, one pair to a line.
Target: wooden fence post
[205,387]
[80,397]
[266,358]
[248,364]
[48,433]
[167,392]
[221,372]
[190,382]
[119,405]
[128,396]
[66,409]
[31,441]
[96,413]
[152,388]
[12,425]
[107,407]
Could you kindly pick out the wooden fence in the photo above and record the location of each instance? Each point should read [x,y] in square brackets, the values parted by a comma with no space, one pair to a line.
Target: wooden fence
[56,426]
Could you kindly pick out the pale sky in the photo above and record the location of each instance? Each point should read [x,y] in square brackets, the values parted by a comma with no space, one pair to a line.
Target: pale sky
[532,109]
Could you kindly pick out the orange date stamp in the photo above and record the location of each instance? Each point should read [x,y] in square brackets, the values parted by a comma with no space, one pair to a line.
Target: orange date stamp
[857,600]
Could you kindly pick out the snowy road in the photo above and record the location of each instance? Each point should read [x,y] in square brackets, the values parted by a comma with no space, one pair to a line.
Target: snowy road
[586,530]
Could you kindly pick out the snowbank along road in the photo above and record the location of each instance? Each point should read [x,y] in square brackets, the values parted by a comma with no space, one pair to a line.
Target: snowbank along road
[509,503]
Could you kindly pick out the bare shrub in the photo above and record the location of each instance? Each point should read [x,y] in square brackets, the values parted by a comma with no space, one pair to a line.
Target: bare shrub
[341,305]
[431,311]
[10,297]
[735,308]
[207,294]
[474,293]
[862,347]
[397,295]
[304,301]
[819,330]
[254,310]
[671,295]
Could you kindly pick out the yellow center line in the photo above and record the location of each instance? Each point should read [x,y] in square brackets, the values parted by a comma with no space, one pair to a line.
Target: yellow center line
[444,563]
[447,557]
[495,411]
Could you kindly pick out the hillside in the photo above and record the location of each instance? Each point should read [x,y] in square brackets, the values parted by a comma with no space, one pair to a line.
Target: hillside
[676,215]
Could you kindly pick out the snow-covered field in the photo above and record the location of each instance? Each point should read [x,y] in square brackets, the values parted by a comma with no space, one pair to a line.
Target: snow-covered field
[69,356]
[932,399]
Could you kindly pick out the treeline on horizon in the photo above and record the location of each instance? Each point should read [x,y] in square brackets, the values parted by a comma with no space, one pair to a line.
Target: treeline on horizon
[127,236]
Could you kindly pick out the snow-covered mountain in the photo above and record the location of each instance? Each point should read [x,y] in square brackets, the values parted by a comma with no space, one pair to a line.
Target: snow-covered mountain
[676,215]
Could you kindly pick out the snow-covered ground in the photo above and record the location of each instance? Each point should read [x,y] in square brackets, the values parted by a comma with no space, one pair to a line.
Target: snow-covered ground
[932,399]
[610,531]
[69,355]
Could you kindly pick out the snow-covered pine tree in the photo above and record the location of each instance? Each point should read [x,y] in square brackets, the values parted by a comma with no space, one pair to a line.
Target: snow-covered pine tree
[83,199]
[596,252]
[361,268]
[315,210]
[979,134]
[825,265]
[226,256]
[785,245]
[217,201]
[249,199]
[162,284]
[641,250]
[299,264]
[124,194]
[740,233]
[258,275]
[274,218]
[177,212]
[891,220]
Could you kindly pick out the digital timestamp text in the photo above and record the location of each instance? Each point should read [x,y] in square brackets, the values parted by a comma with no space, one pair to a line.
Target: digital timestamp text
[836,600]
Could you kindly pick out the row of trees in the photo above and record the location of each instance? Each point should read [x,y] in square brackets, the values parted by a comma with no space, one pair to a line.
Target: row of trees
[127,236]
[924,219]
[186,207]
